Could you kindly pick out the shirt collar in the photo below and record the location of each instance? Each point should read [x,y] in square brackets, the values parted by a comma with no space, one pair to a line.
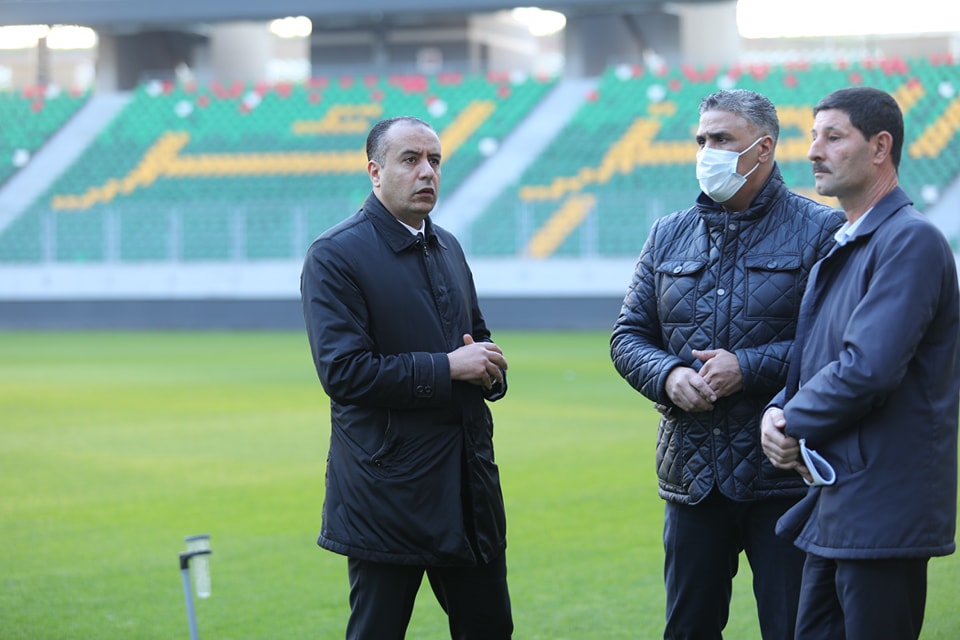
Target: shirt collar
[847,231]
[422,229]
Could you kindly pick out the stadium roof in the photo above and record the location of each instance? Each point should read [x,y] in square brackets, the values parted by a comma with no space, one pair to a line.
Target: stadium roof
[142,12]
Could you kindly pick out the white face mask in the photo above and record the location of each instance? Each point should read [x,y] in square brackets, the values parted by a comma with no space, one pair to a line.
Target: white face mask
[717,172]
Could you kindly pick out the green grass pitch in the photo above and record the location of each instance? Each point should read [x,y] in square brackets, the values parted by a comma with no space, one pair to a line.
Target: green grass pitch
[114,446]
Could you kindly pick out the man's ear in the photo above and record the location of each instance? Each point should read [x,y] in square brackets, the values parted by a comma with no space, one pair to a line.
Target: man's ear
[373,170]
[882,144]
[767,146]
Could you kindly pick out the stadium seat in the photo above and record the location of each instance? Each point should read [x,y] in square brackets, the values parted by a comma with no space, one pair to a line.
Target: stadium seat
[238,165]
[255,172]
[631,148]
[29,118]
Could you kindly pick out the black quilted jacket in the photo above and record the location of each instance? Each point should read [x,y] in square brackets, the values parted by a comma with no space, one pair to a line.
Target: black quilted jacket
[711,279]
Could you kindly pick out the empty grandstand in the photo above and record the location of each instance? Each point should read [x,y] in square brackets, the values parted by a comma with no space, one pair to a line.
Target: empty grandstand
[190,189]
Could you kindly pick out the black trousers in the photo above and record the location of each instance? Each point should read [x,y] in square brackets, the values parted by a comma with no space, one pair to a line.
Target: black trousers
[862,599]
[475,599]
[702,545]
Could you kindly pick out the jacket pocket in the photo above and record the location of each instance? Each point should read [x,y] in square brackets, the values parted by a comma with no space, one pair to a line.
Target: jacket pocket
[670,451]
[365,429]
[390,442]
[848,449]
[772,286]
[677,290]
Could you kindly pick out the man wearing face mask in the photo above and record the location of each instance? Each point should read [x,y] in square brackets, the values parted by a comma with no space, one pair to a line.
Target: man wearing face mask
[705,332]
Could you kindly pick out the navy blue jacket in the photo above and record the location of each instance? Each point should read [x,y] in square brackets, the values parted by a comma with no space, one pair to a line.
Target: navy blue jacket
[879,381]
[411,477]
[711,279]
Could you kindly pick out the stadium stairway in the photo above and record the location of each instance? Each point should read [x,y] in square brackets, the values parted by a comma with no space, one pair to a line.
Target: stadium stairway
[521,148]
[57,154]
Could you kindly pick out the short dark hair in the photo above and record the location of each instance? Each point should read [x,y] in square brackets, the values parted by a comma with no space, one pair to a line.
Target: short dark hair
[751,105]
[375,146]
[870,111]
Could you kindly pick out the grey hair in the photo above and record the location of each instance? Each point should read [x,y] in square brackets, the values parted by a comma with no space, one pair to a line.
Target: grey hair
[751,105]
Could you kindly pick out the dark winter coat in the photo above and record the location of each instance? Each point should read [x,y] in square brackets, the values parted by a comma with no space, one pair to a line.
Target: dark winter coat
[879,386]
[711,279]
[411,477]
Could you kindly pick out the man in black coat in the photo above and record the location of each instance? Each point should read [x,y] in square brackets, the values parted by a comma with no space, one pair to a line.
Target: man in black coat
[705,332]
[402,350]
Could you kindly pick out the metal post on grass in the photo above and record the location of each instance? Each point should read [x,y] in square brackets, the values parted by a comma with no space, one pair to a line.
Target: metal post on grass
[197,553]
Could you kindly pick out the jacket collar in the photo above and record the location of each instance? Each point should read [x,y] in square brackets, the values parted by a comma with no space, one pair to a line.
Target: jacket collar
[392,230]
[889,204]
[771,191]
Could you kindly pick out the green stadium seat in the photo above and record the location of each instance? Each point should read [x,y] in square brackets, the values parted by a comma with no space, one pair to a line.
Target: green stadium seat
[200,173]
[29,118]
[235,164]
[661,178]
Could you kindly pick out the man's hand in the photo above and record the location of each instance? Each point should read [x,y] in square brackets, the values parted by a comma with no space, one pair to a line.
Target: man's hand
[720,370]
[782,450]
[479,363]
[689,391]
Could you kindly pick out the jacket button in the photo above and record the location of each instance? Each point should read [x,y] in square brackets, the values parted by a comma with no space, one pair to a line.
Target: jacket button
[720,292]
[677,269]
[771,265]
[428,389]
[716,432]
[419,388]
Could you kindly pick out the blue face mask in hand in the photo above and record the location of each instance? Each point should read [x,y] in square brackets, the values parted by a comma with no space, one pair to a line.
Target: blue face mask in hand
[717,172]
[821,471]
